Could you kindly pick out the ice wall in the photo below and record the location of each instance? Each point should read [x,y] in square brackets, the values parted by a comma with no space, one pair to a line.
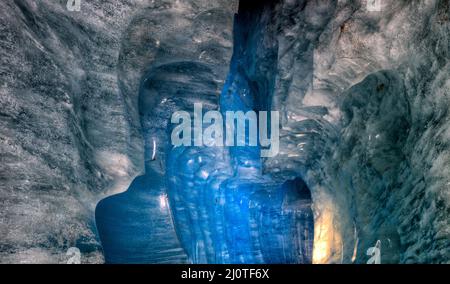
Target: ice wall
[70,128]
[225,210]
[70,132]
[185,62]
[135,227]
[365,98]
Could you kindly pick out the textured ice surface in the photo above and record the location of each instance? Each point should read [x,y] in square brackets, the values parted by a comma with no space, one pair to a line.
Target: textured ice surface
[69,128]
[365,103]
[136,226]
[70,132]
[224,209]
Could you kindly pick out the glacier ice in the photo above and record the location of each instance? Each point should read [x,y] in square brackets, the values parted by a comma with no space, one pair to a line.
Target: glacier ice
[135,226]
[363,97]
[224,209]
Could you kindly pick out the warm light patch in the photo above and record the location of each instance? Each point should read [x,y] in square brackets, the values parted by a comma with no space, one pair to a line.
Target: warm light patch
[327,240]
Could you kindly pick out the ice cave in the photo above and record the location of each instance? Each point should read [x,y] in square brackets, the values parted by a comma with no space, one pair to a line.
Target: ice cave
[357,93]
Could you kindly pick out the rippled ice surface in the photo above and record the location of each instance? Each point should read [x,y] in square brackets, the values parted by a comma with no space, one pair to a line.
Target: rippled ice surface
[223,209]
[226,211]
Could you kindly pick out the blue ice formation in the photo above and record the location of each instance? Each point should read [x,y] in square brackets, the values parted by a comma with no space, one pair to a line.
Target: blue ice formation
[223,209]
[136,226]
[226,211]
